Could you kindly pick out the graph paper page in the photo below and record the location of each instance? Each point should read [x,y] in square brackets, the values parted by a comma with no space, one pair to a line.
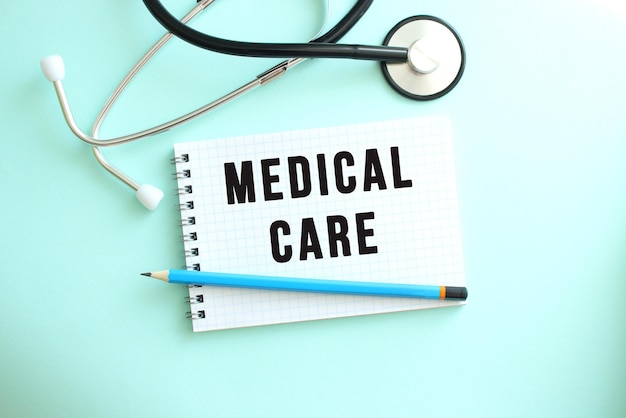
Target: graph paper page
[367,202]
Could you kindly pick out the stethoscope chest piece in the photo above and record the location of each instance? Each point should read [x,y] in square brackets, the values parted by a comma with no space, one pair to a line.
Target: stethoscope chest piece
[436,58]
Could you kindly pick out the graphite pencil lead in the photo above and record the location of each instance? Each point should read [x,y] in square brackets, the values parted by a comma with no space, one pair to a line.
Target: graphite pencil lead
[147,274]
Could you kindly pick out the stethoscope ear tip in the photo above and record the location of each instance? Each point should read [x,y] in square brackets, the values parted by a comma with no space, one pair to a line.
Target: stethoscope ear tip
[53,67]
[149,196]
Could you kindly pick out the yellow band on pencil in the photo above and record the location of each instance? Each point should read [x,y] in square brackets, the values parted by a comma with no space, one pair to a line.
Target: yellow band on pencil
[442,292]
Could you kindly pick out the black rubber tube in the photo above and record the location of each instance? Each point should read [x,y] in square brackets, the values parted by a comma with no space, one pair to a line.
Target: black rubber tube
[322,47]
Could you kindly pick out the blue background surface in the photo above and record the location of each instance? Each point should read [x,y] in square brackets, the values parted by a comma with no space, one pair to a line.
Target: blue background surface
[540,153]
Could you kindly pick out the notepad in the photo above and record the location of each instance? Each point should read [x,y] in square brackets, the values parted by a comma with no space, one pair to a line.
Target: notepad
[367,202]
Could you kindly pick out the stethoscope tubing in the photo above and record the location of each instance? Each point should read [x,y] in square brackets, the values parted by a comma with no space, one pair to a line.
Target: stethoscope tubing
[315,49]
[332,35]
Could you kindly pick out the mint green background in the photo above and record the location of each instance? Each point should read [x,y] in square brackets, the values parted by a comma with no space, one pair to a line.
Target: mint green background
[540,143]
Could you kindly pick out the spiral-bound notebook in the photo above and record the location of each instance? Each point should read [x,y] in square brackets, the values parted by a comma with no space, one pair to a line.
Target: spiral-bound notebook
[367,202]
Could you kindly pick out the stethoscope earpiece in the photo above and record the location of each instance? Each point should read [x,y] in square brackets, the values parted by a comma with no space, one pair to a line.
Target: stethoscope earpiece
[436,58]
[149,196]
[53,67]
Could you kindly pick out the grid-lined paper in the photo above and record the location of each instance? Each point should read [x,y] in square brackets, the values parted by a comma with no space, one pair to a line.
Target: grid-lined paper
[415,229]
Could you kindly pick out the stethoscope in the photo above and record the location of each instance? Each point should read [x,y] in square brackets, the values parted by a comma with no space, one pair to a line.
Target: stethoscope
[422,58]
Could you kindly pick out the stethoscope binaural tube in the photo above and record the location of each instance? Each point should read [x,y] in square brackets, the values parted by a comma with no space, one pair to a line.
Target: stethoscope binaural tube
[54,70]
[150,196]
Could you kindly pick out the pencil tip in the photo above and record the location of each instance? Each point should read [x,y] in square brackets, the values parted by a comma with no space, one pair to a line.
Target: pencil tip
[147,274]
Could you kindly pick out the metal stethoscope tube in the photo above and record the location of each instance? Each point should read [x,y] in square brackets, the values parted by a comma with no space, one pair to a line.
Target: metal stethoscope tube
[153,195]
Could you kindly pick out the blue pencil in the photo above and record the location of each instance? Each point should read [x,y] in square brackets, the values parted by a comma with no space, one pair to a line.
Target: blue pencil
[202,278]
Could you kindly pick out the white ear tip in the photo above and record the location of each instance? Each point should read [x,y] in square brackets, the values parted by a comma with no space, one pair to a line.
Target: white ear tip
[53,67]
[149,196]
